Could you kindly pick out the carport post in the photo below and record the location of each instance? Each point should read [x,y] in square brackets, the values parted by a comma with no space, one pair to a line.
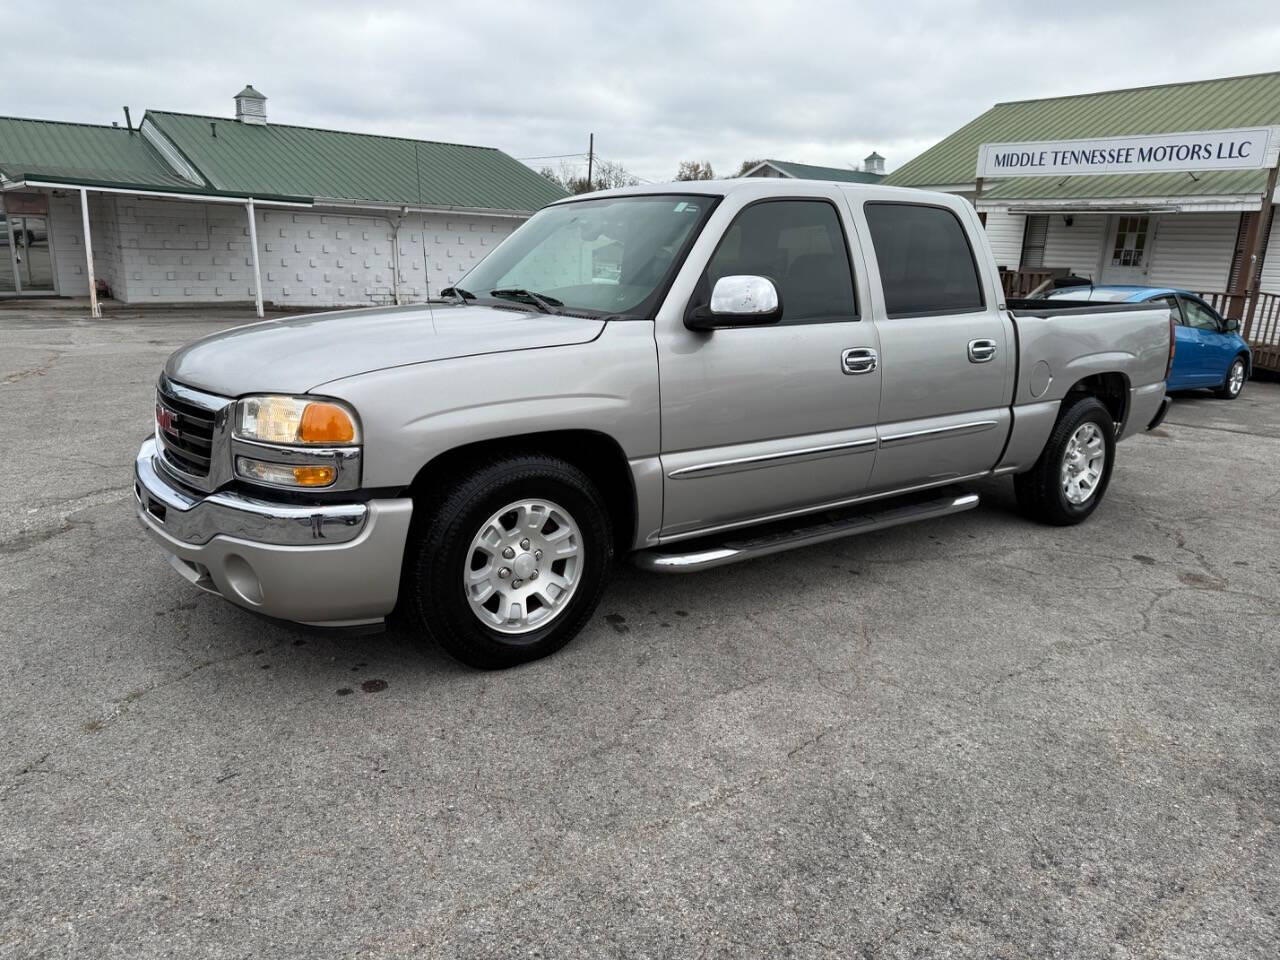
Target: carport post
[253,243]
[94,309]
[1257,241]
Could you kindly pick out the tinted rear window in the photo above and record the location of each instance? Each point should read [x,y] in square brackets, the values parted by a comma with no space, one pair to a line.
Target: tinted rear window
[926,265]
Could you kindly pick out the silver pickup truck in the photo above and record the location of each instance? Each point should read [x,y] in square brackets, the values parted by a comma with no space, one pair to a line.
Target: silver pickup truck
[696,374]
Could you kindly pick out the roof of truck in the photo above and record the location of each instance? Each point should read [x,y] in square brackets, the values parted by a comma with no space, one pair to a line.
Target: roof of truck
[764,186]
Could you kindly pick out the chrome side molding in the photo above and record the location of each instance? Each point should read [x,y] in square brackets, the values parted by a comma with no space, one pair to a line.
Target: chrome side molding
[746,463]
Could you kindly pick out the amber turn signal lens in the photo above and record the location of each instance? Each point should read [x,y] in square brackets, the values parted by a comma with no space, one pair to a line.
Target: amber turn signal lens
[313,476]
[325,423]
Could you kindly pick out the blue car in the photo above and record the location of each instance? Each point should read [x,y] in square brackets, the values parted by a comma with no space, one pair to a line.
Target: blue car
[1208,351]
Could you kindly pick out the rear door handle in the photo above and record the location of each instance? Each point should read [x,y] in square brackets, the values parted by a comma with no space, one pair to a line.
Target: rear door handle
[981,351]
[858,360]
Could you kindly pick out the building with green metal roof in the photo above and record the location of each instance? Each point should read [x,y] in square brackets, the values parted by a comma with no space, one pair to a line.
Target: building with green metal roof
[872,172]
[1193,228]
[212,209]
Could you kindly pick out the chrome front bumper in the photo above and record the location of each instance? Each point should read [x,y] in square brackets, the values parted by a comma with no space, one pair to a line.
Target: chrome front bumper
[330,565]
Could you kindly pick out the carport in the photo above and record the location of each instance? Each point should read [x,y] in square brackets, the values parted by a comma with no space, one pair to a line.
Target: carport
[62,164]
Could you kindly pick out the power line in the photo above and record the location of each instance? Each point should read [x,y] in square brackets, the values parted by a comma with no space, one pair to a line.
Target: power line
[553,156]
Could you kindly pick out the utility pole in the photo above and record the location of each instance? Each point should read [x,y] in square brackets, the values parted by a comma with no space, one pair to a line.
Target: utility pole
[591,155]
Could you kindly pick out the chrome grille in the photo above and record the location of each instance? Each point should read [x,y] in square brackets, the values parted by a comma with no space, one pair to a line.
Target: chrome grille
[185,428]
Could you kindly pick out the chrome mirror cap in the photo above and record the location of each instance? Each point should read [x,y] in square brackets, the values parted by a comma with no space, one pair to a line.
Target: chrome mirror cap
[744,296]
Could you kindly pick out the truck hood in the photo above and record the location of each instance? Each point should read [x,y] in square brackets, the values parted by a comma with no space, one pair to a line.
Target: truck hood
[297,354]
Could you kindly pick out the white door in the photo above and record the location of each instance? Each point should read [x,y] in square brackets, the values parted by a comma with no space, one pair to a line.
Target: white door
[1127,255]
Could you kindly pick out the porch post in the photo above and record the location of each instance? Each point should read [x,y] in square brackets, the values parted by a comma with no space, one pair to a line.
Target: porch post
[257,270]
[1257,239]
[94,309]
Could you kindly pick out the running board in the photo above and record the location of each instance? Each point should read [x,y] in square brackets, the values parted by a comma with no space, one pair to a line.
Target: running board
[776,537]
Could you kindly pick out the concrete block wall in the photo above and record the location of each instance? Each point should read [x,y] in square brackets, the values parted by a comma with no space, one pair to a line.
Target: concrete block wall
[108,260]
[167,251]
[179,251]
[66,238]
[330,258]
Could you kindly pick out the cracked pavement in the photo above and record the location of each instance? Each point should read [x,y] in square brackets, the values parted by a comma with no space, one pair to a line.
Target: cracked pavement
[973,737]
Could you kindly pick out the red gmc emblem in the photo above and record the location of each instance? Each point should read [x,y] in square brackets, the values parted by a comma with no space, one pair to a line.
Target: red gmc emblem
[166,420]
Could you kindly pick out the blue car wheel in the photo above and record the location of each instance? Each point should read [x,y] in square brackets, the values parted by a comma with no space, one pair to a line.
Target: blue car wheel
[1233,384]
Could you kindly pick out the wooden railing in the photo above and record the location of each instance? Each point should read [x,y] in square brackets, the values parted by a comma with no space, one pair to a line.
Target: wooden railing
[1020,283]
[1261,330]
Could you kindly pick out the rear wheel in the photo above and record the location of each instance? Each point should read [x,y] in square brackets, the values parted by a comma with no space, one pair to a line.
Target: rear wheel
[1234,382]
[1070,478]
[512,561]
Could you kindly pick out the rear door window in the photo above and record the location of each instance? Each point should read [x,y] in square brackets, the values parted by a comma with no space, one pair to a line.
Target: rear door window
[926,263]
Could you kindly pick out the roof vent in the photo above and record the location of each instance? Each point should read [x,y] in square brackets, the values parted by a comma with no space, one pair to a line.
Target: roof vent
[251,106]
[873,163]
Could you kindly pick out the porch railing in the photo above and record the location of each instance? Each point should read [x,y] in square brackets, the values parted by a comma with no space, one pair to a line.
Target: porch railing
[1020,283]
[1261,331]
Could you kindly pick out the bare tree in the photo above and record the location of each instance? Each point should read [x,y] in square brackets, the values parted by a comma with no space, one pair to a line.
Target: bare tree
[693,170]
[605,176]
[747,165]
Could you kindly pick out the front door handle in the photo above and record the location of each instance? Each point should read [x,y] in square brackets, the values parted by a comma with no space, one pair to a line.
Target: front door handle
[858,360]
[981,351]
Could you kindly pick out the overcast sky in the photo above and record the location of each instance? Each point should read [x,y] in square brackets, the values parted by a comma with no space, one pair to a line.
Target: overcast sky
[657,82]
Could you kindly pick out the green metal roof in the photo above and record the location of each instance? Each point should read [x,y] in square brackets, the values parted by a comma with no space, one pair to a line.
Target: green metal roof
[806,171]
[274,159]
[1199,105]
[85,154]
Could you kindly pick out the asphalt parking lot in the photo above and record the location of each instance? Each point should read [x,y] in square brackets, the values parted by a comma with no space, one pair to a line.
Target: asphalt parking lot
[976,737]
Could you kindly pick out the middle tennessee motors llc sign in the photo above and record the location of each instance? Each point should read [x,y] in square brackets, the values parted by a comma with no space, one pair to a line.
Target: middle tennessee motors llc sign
[1242,149]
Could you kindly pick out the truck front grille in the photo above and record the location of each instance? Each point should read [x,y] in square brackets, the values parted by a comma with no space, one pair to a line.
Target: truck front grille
[185,432]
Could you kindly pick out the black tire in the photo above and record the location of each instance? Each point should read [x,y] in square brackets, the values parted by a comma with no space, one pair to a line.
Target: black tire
[440,551]
[1040,491]
[1227,391]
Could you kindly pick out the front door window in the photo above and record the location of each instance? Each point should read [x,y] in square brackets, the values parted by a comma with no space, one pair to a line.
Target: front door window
[26,257]
[1130,246]
[8,265]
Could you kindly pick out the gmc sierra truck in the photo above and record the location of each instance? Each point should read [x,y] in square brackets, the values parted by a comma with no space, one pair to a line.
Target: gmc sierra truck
[696,374]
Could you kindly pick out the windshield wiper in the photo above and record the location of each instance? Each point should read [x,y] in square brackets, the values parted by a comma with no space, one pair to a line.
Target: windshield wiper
[545,304]
[462,295]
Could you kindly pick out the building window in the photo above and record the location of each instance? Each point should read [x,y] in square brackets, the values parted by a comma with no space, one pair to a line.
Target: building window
[1131,241]
[1033,238]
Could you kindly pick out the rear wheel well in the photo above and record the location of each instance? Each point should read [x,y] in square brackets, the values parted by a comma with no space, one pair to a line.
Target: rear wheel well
[595,454]
[1111,389]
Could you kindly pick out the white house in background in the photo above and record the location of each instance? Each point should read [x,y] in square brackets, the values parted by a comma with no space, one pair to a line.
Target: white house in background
[872,171]
[197,209]
[1184,229]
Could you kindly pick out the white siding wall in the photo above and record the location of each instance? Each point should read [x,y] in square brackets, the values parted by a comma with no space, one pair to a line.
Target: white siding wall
[1271,265]
[1004,233]
[1194,250]
[1078,246]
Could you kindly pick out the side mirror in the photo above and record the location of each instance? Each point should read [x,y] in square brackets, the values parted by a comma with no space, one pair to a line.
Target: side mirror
[1231,325]
[741,301]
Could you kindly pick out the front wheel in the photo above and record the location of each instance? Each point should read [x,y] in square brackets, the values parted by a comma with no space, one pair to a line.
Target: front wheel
[1234,382]
[1070,478]
[512,561]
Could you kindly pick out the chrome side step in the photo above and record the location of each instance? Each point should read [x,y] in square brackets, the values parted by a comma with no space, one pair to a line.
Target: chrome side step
[829,526]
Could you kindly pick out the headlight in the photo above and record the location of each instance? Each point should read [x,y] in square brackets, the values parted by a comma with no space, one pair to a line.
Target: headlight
[295,420]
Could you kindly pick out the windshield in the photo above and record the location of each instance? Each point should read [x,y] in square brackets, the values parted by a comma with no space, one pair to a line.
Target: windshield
[611,256]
